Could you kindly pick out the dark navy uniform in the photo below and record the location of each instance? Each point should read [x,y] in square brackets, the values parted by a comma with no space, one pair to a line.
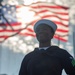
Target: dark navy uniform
[48,62]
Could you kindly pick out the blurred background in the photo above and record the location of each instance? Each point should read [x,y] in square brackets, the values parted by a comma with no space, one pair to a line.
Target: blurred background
[17,37]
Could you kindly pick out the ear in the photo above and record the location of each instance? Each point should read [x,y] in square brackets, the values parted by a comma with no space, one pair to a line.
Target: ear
[52,35]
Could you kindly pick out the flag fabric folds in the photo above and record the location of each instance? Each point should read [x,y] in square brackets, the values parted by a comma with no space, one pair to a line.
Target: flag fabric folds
[56,13]
[20,19]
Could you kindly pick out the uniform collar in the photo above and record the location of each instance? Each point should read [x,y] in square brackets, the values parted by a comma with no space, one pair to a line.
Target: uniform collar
[45,48]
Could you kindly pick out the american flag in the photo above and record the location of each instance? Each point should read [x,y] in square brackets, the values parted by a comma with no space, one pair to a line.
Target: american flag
[21,19]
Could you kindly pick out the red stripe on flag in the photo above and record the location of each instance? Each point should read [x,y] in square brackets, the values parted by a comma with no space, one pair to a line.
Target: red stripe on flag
[46,16]
[62,30]
[27,34]
[60,38]
[13,24]
[44,4]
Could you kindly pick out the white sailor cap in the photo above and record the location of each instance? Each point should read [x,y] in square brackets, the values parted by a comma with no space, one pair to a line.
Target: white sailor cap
[47,22]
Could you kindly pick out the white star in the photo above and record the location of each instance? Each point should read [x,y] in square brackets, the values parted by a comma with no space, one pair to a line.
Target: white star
[4,9]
